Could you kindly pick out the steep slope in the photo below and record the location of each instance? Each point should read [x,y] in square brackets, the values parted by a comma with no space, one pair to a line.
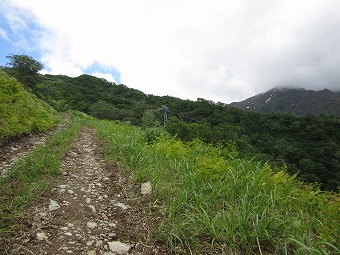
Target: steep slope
[20,111]
[299,101]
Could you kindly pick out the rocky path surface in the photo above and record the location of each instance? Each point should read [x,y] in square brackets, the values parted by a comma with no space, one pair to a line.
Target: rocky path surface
[13,150]
[92,210]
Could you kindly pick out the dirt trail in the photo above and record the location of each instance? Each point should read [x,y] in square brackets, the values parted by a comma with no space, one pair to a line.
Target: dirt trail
[11,151]
[89,211]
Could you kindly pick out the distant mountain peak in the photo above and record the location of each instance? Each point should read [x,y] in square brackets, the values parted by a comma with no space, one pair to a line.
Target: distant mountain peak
[296,100]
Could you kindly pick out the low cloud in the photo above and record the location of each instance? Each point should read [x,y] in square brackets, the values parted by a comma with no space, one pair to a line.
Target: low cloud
[218,50]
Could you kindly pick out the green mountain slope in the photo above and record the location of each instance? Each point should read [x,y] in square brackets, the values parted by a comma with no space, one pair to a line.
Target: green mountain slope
[20,111]
[307,145]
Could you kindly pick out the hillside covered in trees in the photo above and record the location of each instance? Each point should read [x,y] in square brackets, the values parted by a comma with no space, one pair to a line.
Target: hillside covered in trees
[307,145]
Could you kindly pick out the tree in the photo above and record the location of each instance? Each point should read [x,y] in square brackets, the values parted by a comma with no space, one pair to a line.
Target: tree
[104,110]
[24,68]
[149,119]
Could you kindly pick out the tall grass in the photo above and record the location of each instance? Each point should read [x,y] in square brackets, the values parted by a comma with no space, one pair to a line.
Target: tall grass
[216,202]
[31,176]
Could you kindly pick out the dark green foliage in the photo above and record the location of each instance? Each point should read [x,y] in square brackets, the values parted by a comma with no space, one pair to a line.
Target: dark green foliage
[24,68]
[307,145]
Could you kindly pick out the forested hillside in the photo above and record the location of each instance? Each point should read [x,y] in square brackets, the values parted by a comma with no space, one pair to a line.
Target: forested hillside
[307,145]
[20,111]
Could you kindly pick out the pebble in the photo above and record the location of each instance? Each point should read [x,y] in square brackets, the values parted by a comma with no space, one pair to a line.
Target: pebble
[91,224]
[70,225]
[93,208]
[41,236]
[146,188]
[119,248]
[53,205]
[89,243]
[121,205]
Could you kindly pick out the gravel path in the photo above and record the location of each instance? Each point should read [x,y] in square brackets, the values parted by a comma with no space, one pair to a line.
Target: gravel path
[11,151]
[92,210]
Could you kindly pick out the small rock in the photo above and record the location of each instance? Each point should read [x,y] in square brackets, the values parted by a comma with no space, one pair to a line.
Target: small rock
[112,225]
[111,235]
[88,200]
[41,236]
[92,208]
[53,205]
[146,188]
[99,243]
[68,234]
[121,205]
[91,224]
[91,253]
[89,243]
[108,253]
[119,248]
[64,228]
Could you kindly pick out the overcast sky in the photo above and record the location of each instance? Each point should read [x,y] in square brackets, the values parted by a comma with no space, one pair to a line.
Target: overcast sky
[221,50]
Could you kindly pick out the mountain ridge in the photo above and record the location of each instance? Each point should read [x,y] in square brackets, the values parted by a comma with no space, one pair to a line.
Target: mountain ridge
[295,100]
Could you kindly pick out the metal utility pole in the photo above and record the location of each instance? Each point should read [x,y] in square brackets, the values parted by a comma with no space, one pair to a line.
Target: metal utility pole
[165,111]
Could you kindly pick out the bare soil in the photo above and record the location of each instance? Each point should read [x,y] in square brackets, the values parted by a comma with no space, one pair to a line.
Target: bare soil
[96,205]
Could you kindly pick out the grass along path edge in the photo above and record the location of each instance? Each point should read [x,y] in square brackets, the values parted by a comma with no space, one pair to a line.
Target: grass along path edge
[32,175]
[214,201]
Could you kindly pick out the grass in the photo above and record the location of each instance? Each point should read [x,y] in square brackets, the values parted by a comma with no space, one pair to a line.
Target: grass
[210,200]
[32,175]
[214,201]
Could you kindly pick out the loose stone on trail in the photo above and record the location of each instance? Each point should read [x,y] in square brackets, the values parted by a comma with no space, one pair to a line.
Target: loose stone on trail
[53,205]
[146,188]
[91,224]
[41,236]
[119,248]
[122,206]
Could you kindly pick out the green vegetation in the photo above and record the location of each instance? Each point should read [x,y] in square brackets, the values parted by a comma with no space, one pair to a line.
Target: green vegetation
[214,201]
[209,199]
[213,190]
[20,111]
[307,146]
[24,68]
